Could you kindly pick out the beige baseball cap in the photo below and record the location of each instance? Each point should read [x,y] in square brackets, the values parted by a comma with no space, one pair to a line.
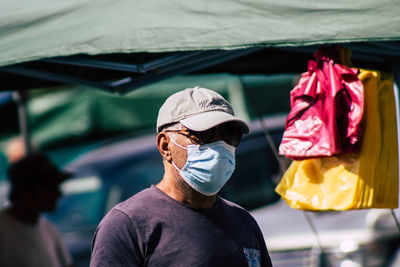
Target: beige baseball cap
[198,109]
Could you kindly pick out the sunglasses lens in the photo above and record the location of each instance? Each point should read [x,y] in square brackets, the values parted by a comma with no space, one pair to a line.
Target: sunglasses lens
[203,137]
[230,134]
[227,132]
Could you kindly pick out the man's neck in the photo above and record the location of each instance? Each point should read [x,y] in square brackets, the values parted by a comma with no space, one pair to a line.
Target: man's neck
[185,194]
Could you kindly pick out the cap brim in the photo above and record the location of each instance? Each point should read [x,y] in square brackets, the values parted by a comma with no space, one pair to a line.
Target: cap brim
[208,120]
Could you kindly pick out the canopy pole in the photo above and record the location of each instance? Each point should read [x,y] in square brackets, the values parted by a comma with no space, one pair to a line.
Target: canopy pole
[396,82]
[20,98]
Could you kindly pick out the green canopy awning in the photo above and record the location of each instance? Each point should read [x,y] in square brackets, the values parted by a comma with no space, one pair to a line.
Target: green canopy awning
[30,30]
[68,120]
[69,113]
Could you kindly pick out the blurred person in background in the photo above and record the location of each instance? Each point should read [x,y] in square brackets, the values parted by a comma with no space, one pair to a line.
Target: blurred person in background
[26,237]
[181,221]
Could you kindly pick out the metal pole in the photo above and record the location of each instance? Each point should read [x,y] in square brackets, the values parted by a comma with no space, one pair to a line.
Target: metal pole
[20,98]
[396,82]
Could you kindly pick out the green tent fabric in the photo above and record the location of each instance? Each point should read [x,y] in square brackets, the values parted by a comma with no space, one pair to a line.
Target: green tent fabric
[69,113]
[69,120]
[31,30]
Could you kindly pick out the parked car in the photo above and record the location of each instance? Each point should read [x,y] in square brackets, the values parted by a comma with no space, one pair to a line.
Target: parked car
[120,168]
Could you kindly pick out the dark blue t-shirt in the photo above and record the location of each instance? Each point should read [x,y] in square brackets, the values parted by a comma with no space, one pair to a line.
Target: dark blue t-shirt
[153,229]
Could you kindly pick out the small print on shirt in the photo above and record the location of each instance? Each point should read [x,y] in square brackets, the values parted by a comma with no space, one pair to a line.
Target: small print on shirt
[252,256]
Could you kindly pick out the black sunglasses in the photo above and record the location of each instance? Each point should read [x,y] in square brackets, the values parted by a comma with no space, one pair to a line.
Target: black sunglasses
[226,132]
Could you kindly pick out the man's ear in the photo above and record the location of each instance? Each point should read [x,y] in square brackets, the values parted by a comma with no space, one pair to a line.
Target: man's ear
[163,146]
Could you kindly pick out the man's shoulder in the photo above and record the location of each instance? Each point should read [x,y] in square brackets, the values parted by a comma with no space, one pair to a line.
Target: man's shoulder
[139,204]
[230,203]
[236,210]
[137,213]
[140,199]
[47,225]
[233,206]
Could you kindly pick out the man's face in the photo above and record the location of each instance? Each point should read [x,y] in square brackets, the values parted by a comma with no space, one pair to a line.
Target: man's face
[215,168]
[227,132]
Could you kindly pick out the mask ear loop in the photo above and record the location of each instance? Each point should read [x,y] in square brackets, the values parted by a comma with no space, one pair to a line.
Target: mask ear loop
[173,141]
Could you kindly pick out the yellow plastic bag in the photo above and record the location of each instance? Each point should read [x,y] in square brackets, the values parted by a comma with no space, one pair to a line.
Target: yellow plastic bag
[353,181]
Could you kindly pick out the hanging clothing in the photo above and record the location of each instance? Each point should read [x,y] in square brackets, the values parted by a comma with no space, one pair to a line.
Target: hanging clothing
[326,109]
[368,179]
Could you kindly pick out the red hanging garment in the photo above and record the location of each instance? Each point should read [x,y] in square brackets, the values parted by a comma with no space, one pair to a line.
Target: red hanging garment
[326,109]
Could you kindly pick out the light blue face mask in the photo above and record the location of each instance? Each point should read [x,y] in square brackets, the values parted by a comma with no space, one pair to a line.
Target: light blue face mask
[208,167]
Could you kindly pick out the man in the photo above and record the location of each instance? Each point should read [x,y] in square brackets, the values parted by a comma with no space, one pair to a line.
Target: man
[26,237]
[181,221]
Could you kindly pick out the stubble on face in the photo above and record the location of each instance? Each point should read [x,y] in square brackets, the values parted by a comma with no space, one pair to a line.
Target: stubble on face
[180,158]
[191,197]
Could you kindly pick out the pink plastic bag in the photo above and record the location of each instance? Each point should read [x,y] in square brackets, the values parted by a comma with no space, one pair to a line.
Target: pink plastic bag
[326,110]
